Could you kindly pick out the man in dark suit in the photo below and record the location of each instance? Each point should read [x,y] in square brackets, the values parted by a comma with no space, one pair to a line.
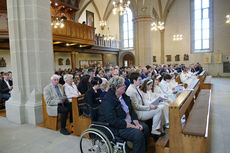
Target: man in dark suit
[5,86]
[116,109]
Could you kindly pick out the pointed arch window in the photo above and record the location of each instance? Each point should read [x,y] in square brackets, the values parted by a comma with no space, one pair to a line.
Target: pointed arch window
[201,25]
[127,36]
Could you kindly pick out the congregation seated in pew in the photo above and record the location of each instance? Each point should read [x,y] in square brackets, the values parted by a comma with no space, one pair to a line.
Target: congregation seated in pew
[56,102]
[149,96]
[144,112]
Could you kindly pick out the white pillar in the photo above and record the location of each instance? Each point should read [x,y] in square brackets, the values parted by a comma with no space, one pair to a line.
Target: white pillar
[143,34]
[31,53]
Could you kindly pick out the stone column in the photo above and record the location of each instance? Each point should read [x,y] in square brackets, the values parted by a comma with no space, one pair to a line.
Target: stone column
[31,52]
[118,59]
[73,61]
[162,38]
[143,34]
[103,59]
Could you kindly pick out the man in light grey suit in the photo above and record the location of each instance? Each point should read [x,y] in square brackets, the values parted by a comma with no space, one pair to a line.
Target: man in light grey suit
[57,103]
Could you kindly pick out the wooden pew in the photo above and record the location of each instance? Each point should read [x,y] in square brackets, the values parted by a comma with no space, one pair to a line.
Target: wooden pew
[2,103]
[80,122]
[195,132]
[205,80]
[178,79]
[183,139]
[50,122]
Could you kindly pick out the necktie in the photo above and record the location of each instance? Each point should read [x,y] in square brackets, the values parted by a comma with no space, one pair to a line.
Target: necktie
[58,92]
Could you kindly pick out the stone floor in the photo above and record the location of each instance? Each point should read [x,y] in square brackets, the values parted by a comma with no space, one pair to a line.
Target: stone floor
[219,132]
[16,138]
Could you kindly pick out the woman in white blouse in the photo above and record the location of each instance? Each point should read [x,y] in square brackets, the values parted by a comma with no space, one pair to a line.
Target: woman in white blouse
[157,89]
[144,112]
[149,96]
[70,88]
[165,87]
[187,77]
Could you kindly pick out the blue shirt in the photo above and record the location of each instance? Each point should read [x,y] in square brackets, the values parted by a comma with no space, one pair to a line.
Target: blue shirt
[126,109]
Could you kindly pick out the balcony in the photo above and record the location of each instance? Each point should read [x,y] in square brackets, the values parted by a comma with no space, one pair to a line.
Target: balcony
[74,32]
[101,42]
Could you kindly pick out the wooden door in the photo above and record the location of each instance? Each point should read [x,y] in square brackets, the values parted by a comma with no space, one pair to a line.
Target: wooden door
[128,60]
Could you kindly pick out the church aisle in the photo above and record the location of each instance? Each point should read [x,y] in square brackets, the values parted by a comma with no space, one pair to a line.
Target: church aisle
[219,134]
[15,138]
[31,139]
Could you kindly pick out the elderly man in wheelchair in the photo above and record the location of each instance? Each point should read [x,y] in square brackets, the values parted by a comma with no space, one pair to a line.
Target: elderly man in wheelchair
[116,124]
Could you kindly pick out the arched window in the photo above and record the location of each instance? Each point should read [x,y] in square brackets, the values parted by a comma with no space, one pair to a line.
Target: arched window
[201,25]
[127,30]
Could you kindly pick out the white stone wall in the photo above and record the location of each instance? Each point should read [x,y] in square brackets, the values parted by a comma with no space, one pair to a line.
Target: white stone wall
[112,21]
[110,59]
[178,21]
[113,24]
[64,56]
[6,55]
[96,18]
[85,57]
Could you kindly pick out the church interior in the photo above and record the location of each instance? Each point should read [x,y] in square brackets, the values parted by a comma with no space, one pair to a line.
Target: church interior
[39,38]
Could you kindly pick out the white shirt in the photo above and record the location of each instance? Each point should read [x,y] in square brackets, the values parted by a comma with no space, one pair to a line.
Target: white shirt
[187,78]
[149,97]
[7,82]
[71,91]
[164,85]
[173,84]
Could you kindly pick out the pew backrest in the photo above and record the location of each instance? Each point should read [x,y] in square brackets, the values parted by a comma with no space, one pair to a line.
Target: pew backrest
[80,122]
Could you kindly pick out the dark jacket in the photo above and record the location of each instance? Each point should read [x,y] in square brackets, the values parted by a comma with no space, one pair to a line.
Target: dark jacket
[92,99]
[127,83]
[3,87]
[111,111]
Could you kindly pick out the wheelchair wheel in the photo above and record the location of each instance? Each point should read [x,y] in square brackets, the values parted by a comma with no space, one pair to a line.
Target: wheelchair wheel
[94,141]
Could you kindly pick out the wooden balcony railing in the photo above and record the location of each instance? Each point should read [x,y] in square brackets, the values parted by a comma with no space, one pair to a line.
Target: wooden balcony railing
[75,33]
[100,42]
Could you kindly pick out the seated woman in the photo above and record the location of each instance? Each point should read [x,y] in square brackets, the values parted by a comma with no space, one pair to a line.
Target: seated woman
[147,91]
[84,84]
[173,84]
[144,112]
[186,77]
[76,80]
[104,87]
[116,109]
[70,88]
[164,85]
[157,89]
[92,97]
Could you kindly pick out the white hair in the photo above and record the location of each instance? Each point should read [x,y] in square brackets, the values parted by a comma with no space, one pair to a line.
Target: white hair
[54,76]
[68,77]
[116,82]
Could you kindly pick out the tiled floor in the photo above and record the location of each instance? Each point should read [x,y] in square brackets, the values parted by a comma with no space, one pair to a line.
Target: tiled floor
[219,134]
[16,138]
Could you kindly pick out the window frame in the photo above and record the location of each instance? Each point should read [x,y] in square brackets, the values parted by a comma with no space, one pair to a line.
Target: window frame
[122,32]
[192,29]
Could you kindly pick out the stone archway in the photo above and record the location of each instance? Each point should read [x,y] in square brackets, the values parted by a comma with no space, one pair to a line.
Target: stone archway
[128,60]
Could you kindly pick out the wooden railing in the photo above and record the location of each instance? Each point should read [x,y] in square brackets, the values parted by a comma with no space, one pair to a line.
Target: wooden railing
[101,42]
[75,33]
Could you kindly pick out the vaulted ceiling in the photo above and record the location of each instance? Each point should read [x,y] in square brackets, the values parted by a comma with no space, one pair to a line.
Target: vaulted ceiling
[104,8]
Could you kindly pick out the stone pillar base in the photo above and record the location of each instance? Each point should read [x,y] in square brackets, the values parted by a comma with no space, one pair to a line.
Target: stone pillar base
[15,112]
[20,112]
[33,114]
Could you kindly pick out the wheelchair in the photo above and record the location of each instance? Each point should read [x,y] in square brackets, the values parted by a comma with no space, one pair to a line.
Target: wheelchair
[98,138]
